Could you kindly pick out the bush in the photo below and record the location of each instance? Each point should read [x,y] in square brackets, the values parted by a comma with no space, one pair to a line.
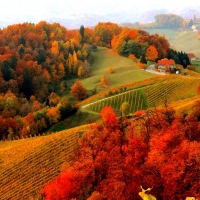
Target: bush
[110,70]
[191,67]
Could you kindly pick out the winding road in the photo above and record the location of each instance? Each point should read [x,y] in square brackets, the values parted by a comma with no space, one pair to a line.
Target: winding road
[150,69]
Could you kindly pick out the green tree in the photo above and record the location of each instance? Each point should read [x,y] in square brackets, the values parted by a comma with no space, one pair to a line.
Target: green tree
[82,29]
[41,57]
[22,40]
[125,107]
[21,52]
[6,70]
[143,59]
[13,62]
[27,86]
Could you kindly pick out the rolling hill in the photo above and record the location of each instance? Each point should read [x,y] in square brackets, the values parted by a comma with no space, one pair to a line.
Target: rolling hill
[125,70]
[187,42]
[27,164]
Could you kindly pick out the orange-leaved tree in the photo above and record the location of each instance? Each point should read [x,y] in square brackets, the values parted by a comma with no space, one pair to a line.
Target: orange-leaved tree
[108,116]
[151,53]
[78,91]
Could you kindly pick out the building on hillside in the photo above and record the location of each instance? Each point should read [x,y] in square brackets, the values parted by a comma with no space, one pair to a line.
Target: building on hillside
[197,20]
[188,20]
[166,65]
[191,56]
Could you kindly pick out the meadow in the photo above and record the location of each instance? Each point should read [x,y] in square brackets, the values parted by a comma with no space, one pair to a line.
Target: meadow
[169,33]
[125,70]
[186,41]
[196,63]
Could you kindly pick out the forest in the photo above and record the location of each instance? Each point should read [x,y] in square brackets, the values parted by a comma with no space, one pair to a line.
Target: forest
[159,150]
[156,151]
[39,63]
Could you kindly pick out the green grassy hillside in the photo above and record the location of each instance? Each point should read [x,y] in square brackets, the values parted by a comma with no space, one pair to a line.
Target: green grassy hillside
[125,70]
[169,33]
[187,42]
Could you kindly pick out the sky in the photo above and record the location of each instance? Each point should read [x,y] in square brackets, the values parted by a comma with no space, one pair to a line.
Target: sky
[35,11]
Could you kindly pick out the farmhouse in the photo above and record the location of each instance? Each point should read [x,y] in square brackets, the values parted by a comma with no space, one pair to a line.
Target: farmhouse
[165,64]
[191,56]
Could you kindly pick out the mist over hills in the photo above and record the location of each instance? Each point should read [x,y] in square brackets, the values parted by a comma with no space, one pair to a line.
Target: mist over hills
[90,18]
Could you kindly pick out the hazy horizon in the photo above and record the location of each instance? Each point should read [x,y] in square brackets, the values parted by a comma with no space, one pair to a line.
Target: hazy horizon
[33,11]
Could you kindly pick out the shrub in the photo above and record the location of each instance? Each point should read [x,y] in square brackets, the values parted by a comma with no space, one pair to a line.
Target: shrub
[110,70]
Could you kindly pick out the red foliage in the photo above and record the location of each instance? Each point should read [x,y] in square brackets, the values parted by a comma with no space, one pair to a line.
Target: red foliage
[62,188]
[108,116]
[78,91]
[198,90]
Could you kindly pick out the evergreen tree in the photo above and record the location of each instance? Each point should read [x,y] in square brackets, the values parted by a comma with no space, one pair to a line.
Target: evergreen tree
[27,83]
[143,59]
[21,52]
[6,71]
[22,40]
[41,57]
[13,62]
[82,29]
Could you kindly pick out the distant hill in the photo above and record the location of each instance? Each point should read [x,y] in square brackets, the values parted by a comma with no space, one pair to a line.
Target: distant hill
[90,19]
[187,42]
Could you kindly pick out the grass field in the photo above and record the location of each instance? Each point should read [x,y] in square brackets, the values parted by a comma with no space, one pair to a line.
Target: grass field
[169,33]
[27,164]
[196,63]
[187,42]
[125,70]
[78,119]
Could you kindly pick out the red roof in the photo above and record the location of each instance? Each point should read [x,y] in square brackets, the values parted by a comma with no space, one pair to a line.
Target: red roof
[191,55]
[166,62]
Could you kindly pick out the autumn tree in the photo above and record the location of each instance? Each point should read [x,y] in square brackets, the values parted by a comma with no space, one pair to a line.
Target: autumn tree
[151,53]
[104,81]
[80,71]
[53,99]
[53,115]
[55,48]
[78,91]
[108,116]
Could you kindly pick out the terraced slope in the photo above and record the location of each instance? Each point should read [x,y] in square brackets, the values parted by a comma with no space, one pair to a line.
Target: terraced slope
[173,88]
[169,88]
[27,164]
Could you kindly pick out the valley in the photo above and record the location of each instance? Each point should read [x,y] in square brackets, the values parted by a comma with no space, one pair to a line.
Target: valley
[130,128]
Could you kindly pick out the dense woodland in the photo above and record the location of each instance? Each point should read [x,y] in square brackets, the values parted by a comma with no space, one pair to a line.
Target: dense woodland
[158,150]
[39,63]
